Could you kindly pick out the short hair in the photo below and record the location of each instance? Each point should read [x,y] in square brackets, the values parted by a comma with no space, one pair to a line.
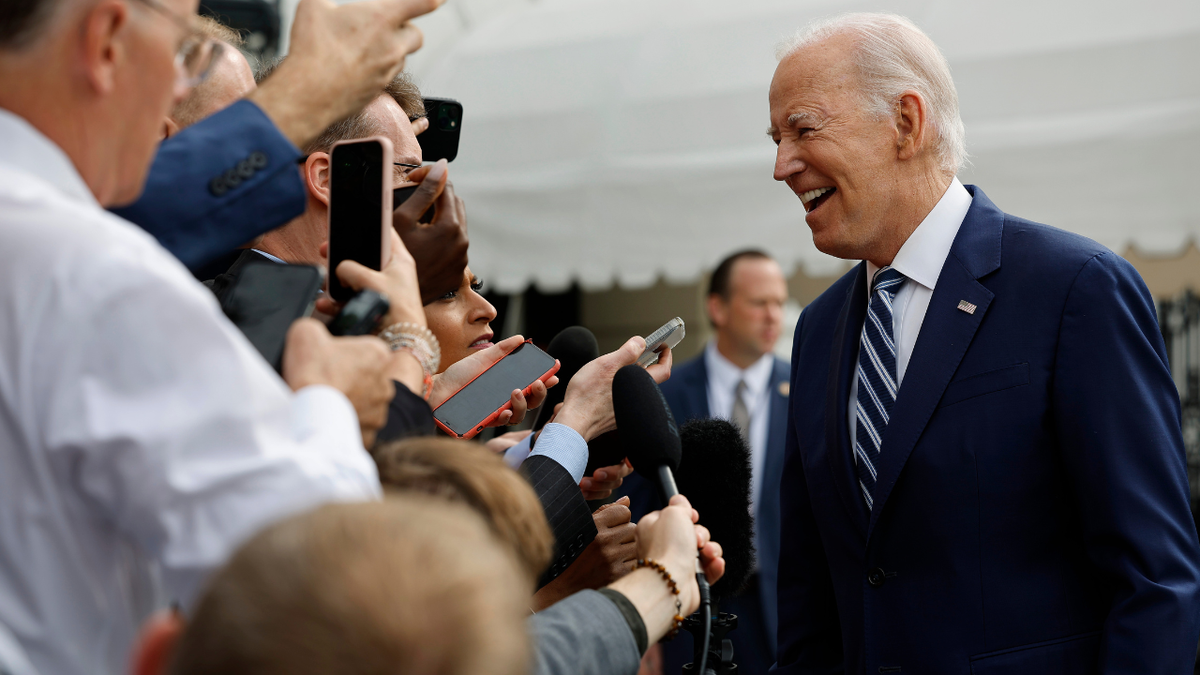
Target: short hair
[469,473]
[402,89]
[893,56]
[719,282]
[191,109]
[407,585]
[213,29]
[22,20]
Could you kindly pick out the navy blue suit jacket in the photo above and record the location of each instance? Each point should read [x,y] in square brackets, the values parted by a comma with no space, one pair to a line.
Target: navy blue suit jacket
[1031,511]
[218,184]
[687,394]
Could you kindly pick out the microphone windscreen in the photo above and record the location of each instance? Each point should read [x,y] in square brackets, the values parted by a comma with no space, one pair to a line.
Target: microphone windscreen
[644,419]
[574,347]
[716,479]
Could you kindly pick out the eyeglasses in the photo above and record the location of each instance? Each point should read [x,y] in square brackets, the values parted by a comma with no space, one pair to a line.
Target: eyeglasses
[196,54]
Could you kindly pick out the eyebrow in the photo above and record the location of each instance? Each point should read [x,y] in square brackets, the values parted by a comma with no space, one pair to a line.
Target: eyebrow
[795,120]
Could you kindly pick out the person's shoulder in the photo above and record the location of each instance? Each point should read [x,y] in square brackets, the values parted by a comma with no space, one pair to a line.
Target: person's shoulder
[65,241]
[682,374]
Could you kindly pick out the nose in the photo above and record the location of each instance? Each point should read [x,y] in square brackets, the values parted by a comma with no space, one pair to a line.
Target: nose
[482,311]
[787,161]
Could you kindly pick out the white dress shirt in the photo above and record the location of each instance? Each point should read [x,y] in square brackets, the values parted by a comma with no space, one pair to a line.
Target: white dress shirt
[723,377]
[141,436]
[920,260]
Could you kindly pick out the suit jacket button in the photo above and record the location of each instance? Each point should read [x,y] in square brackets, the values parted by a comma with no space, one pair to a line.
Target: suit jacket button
[245,169]
[258,160]
[231,178]
[876,577]
[218,187]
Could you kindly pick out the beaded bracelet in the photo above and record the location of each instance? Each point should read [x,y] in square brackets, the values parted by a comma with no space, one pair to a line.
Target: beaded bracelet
[658,567]
[418,341]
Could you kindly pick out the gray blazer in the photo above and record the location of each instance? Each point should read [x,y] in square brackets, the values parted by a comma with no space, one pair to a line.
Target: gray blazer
[584,634]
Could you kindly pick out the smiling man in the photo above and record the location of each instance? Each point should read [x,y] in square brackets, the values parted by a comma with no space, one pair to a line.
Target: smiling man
[984,468]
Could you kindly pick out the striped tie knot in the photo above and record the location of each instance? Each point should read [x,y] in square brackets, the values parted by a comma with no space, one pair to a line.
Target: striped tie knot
[877,382]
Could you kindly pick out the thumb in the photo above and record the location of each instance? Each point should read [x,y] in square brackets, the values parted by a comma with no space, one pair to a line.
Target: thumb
[430,188]
[631,350]
[354,274]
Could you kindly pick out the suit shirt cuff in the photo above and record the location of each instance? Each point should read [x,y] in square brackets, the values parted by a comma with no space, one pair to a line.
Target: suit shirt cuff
[517,454]
[565,446]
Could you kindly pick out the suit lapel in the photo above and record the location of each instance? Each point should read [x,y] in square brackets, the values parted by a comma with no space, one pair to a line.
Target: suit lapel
[698,389]
[945,334]
[841,370]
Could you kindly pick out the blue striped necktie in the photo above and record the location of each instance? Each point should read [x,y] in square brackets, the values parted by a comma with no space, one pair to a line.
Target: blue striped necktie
[877,383]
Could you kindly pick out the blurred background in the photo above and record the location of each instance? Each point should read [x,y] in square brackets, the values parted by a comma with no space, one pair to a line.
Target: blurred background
[613,151]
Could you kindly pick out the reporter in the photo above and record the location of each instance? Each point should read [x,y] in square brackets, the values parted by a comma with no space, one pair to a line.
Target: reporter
[232,177]
[411,586]
[143,436]
[466,473]
[461,320]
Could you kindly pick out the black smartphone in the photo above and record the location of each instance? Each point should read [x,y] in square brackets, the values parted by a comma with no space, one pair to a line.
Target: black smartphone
[440,140]
[360,207]
[401,195]
[361,315]
[264,301]
[481,400]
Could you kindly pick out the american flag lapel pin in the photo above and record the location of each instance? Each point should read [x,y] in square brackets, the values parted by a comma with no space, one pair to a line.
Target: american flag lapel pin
[966,306]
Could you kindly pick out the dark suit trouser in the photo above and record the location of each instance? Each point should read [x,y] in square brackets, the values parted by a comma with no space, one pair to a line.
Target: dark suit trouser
[751,652]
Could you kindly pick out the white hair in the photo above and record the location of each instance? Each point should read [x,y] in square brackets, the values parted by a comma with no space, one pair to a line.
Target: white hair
[894,56]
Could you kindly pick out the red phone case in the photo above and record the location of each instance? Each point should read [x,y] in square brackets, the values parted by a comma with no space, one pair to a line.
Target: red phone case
[490,418]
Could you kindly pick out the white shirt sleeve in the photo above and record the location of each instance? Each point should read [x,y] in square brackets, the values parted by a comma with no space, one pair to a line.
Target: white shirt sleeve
[171,424]
[516,454]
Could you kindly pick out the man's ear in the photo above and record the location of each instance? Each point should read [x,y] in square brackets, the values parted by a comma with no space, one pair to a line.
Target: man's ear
[105,29]
[156,643]
[170,128]
[316,176]
[717,311]
[911,120]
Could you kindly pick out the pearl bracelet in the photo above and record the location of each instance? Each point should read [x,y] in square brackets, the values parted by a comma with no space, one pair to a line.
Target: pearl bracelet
[418,341]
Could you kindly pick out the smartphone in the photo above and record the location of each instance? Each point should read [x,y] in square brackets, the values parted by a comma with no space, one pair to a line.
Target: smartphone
[264,301]
[401,195]
[670,334]
[440,140]
[361,315]
[470,409]
[360,207]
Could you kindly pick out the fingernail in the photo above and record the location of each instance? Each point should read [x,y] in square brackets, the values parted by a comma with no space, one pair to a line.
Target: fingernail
[436,171]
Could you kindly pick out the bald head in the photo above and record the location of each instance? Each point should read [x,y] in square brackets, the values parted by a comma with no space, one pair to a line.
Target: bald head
[230,80]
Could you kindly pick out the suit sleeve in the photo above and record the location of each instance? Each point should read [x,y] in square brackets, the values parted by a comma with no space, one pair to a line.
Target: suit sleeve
[810,638]
[585,634]
[1117,414]
[566,510]
[218,184]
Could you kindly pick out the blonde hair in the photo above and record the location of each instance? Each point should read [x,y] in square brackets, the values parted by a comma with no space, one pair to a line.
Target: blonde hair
[894,56]
[410,585]
[470,473]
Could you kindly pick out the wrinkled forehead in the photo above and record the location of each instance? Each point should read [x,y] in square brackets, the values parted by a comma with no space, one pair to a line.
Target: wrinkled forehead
[819,75]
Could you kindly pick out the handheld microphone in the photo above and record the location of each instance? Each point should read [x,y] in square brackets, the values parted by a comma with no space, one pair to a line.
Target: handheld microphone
[647,428]
[574,347]
[716,479]
[654,448]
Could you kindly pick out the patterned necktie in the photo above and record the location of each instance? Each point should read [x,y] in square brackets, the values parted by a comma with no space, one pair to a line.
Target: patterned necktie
[741,415]
[876,379]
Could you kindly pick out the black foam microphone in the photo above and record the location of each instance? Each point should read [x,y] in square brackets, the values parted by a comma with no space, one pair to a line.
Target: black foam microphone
[574,347]
[716,480]
[647,428]
[654,448]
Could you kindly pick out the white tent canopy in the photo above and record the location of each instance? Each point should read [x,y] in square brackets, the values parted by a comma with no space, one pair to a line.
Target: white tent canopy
[622,140]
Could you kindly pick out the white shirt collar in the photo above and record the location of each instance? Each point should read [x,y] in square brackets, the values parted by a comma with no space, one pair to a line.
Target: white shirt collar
[922,256]
[725,374]
[28,151]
